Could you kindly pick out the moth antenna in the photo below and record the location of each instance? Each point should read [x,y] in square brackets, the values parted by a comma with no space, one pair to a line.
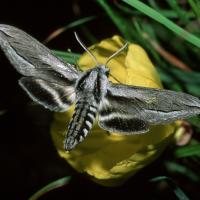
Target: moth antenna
[116,53]
[85,48]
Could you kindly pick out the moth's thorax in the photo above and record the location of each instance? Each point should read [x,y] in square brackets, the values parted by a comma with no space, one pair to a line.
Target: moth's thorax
[93,83]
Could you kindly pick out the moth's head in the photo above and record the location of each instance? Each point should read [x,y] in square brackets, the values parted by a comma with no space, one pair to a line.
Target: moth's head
[104,69]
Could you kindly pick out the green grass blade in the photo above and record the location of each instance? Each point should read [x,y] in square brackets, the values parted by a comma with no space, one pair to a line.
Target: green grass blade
[122,23]
[173,13]
[126,9]
[164,21]
[88,34]
[183,15]
[176,189]
[51,186]
[166,12]
[193,150]
[153,4]
[80,21]
[195,7]
[183,76]
[69,57]
[195,121]
[73,24]
[175,167]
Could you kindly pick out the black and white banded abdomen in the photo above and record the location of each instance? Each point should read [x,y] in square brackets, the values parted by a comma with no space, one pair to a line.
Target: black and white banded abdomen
[80,124]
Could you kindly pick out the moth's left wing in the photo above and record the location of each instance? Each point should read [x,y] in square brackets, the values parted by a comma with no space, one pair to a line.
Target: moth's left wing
[48,80]
[48,94]
[129,110]
[31,58]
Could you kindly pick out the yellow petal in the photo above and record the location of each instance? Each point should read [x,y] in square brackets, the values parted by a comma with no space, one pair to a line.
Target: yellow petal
[110,159]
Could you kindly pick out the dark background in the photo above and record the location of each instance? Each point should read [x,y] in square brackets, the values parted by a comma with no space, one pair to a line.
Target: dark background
[28,159]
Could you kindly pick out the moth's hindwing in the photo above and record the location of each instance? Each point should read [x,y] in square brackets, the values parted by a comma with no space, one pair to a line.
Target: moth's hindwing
[51,95]
[114,117]
[129,109]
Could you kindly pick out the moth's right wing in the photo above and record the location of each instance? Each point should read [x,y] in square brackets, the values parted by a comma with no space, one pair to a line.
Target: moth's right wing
[119,112]
[130,109]
[46,75]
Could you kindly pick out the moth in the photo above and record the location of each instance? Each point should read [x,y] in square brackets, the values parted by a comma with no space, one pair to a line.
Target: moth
[56,85]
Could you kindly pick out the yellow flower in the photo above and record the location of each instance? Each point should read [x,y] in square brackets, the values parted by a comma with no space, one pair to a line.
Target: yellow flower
[110,159]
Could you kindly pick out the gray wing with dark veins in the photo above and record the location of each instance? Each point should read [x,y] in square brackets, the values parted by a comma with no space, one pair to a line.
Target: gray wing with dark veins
[46,75]
[130,110]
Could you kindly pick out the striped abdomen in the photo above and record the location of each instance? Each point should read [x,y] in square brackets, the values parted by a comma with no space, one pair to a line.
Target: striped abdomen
[80,124]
